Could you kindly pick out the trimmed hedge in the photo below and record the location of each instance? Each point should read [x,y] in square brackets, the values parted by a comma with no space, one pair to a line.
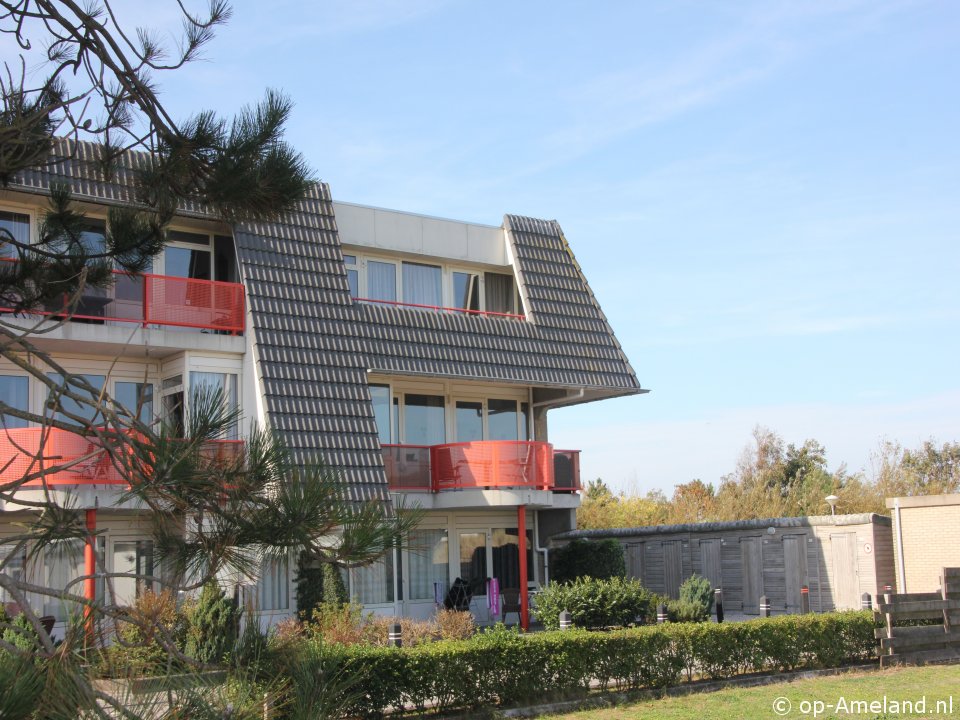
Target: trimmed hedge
[600,559]
[502,667]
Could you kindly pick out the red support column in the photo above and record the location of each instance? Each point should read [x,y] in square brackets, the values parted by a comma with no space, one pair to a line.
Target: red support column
[89,568]
[524,602]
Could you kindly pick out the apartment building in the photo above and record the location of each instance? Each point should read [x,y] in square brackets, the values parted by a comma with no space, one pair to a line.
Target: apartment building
[419,356]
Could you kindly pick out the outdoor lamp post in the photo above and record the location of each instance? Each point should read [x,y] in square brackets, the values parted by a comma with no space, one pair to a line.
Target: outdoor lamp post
[832,500]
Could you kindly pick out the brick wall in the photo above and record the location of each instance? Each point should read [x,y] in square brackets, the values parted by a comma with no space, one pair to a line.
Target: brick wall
[931,541]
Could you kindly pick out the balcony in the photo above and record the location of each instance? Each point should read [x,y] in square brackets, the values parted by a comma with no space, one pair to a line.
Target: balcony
[442,309]
[160,300]
[487,465]
[22,450]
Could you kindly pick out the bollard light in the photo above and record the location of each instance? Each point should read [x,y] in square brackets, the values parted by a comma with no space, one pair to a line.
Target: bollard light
[764,606]
[395,635]
[865,602]
[661,613]
[804,599]
[718,603]
[566,620]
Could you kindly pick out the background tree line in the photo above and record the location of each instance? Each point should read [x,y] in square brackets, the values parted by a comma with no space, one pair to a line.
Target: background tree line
[774,479]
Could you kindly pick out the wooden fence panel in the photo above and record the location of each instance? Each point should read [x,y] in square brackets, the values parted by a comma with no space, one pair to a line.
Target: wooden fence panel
[921,643]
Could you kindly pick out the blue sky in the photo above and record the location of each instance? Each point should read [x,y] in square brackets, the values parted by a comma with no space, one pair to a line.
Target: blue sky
[763,195]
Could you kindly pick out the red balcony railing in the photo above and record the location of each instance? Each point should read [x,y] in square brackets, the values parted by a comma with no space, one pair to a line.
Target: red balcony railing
[26,451]
[160,300]
[484,465]
[440,308]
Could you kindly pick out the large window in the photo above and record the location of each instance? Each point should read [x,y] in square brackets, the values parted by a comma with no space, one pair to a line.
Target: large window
[381,281]
[207,384]
[64,408]
[424,420]
[422,284]
[466,290]
[373,584]
[14,393]
[273,587]
[500,293]
[380,394]
[133,557]
[189,257]
[429,563]
[14,569]
[18,225]
[136,398]
[430,285]
[503,420]
[62,564]
[469,420]
[506,556]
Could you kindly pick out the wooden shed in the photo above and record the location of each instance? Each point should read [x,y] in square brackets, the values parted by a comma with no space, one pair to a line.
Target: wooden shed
[837,557]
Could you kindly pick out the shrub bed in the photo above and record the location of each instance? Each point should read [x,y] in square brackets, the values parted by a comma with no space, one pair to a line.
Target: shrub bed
[504,667]
[594,603]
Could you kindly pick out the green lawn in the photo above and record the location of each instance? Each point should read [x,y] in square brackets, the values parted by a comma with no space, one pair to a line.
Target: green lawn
[908,684]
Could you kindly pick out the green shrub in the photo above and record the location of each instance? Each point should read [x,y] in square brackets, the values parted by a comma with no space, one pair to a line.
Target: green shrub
[596,603]
[502,667]
[334,589]
[697,590]
[686,611]
[309,582]
[213,624]
[153,623]
[601,559]
[21,634]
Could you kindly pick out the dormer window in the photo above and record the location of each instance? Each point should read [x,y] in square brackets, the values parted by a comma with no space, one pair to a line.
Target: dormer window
[429,286]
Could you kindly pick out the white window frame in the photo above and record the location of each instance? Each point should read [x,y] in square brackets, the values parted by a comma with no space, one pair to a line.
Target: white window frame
[32,215]
[160,261]
[447,270]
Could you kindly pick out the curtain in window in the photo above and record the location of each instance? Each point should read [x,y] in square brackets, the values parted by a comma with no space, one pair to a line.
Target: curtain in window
[380,394]
[429,562]
[374,583]
[381,281]
[273,588]
[14,568]
[499,292]
[62,562]
[18,225]
[422,284]
[226,384]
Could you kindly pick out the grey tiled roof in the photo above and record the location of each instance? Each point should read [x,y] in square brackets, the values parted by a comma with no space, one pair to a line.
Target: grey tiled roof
[314,346]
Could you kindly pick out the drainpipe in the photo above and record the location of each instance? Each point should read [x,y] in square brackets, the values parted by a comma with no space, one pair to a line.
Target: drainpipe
[901,573]
[542,550]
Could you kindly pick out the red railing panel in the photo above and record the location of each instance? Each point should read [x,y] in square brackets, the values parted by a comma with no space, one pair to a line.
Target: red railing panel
[566,470]
[25,451]
[441,308]
[408,466]
[193,303]
[481,465]
[160,300]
